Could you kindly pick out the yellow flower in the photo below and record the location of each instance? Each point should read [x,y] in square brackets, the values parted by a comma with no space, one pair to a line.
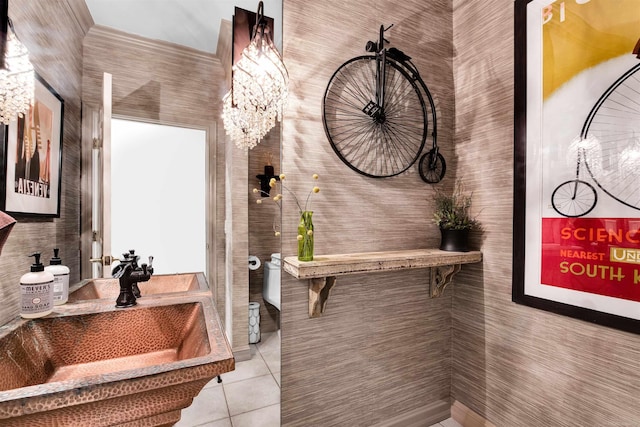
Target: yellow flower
[302,204]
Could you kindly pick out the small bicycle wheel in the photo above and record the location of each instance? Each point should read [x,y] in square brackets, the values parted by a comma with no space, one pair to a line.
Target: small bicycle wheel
[432,167]
[375,141]
[574,198]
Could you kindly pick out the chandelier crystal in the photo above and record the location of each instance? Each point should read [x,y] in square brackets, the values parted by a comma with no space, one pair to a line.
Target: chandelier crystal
[16,80]
[259,90]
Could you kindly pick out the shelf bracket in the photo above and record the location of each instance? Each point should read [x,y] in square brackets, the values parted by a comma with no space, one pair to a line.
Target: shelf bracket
[440,277]
[319,290]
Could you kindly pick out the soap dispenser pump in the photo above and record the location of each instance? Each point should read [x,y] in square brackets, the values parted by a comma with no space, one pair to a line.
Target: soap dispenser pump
[60,279]
[36,291]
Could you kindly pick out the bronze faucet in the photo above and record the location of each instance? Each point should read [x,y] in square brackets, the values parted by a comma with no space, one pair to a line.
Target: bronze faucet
[129,275]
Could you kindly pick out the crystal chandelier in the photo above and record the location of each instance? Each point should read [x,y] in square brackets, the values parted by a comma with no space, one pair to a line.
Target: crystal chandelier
[258,89]
[16,74]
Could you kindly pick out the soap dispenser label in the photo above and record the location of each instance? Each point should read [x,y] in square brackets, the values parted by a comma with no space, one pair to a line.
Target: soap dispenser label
[60,284]
[36,298]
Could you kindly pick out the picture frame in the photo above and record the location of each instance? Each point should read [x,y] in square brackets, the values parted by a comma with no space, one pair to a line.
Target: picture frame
[31,171]
[577,254]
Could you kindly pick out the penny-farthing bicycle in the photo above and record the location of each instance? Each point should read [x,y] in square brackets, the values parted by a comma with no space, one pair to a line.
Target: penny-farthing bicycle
[609,149]
[375,116]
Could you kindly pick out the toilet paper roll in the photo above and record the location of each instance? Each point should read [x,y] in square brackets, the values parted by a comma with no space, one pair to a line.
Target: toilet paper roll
[254,262]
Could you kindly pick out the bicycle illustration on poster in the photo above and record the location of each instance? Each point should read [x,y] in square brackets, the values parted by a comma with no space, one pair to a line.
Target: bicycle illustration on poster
[577,159]
[32,153]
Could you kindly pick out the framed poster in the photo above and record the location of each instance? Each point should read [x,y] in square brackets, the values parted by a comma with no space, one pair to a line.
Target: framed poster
[577,159]
[32,151]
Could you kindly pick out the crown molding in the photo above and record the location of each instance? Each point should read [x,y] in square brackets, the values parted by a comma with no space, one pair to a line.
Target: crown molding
[147,44]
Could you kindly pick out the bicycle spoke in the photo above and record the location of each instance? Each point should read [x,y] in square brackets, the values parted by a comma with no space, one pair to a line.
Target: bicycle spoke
[574,198]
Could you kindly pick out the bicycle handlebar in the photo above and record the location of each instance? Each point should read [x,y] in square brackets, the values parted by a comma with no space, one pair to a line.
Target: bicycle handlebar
[378,46]
[405,60]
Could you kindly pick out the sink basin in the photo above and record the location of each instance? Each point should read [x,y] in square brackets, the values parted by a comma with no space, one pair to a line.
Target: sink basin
[159,284]
[93,364]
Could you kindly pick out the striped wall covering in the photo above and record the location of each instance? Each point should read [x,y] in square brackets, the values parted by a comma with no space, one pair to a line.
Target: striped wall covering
[55,46]
[382,348]
[515,365]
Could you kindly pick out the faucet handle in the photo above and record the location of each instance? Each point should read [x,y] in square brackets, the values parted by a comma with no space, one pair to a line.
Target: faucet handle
[119,270]
[150,266]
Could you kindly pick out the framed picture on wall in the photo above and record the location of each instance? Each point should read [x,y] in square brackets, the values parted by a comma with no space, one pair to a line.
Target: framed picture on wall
[32,157]
[577,159]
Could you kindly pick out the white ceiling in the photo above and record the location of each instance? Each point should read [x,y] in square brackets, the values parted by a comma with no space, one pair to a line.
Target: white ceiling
[193,23]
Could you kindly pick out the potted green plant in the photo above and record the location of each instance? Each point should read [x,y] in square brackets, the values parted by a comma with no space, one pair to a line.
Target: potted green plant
[453,216]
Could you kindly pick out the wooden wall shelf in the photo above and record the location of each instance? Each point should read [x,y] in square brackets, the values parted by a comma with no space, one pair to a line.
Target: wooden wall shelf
[322,271]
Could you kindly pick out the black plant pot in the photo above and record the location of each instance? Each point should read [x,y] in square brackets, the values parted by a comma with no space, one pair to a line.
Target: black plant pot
[454,240]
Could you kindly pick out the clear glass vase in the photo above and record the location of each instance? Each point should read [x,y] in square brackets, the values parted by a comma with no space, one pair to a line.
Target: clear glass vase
[305,236]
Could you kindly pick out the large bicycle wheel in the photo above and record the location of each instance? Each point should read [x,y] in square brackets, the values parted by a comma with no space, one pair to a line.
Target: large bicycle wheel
[372,140]
[614,125]
[574,198]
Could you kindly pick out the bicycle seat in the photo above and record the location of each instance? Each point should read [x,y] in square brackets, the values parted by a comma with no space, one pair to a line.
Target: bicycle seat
[398,55]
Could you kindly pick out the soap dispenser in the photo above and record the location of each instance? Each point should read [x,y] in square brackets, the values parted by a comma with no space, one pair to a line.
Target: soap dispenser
[60,279]
[36,291]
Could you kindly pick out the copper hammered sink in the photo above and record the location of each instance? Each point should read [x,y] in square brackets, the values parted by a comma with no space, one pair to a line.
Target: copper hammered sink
[159,284]
[93,364]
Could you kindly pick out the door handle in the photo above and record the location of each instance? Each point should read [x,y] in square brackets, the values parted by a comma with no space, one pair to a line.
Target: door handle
[104,260]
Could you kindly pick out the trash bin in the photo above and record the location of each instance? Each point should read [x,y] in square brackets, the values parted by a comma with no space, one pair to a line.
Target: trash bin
[254,322]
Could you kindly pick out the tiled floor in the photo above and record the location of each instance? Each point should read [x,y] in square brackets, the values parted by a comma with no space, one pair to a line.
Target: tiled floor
[248,396]
[450,422]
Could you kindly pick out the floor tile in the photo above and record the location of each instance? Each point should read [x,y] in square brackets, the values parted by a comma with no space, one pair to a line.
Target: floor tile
[264,417]
[272,359]
[270,342]
[270,351]
[254,393]
[450,422]
[209,405]
[276,375]
[255,367]
[213,383]
[225,422]
[252,390]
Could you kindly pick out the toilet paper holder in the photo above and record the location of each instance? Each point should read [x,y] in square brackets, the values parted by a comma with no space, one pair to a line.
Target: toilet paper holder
[254,262]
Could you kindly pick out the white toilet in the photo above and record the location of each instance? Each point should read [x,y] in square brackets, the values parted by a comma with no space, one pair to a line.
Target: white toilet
[271,284]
